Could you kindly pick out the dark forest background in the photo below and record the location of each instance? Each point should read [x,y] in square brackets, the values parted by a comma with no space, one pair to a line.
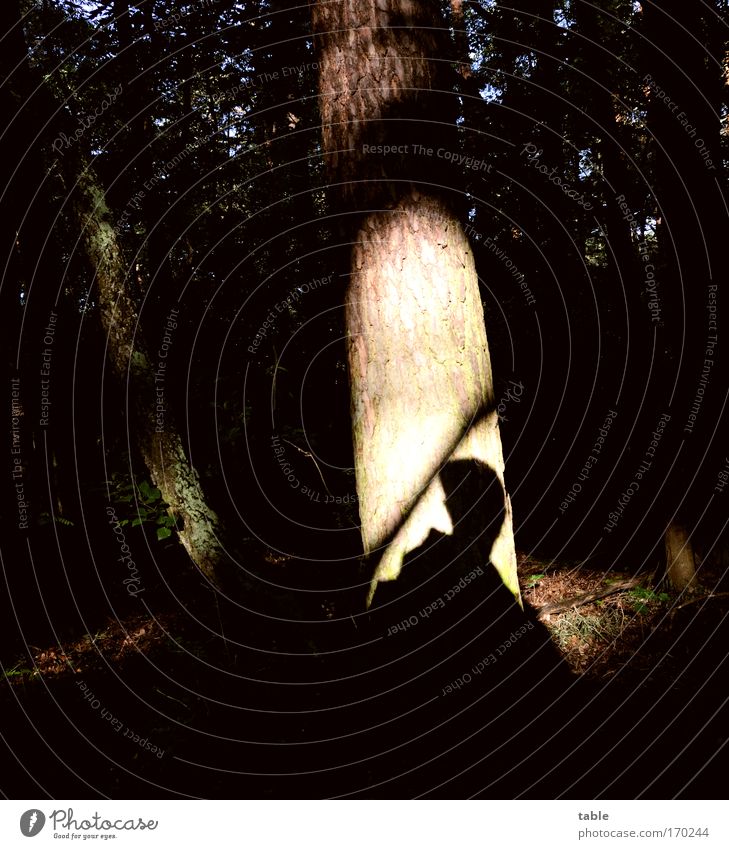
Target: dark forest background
[603,134]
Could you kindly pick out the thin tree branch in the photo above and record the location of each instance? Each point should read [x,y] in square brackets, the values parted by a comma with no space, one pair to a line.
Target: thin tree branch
[587,598]
[313,460]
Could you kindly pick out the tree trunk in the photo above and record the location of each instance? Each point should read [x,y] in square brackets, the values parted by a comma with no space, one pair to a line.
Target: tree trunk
[161,449]
[159,443]
[421,380]
[680,562]
[420,372]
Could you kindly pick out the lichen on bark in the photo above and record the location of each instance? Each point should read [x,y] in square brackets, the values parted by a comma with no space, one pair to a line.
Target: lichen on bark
[162,452]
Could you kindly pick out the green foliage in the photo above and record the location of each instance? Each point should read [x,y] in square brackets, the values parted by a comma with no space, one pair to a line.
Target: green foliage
[45,518]
[641,597]
[534,579]
[140,504]
[17,671]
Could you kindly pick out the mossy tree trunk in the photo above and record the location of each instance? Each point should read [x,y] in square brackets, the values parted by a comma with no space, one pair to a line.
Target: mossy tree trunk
[163,451]
[161,448]
[420,372]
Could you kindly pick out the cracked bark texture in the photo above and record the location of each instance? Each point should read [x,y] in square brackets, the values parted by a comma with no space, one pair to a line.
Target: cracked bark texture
[163,453]
[420,371]
[384,79]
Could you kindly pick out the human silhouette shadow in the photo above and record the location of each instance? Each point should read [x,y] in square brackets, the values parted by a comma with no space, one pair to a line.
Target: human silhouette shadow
[449,593]
[462,669]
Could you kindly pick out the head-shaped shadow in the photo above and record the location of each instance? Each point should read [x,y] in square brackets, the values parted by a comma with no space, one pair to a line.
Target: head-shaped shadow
[451,575]
[450,632]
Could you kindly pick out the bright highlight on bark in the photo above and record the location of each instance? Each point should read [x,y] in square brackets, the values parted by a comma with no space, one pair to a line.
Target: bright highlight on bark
[421,382]
[420,372]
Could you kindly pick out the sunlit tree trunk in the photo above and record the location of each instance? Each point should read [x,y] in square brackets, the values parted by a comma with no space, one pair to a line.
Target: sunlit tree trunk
[420,373]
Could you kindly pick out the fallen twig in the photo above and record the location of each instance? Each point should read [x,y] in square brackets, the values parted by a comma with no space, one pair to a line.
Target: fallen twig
[702,598]
[586,598]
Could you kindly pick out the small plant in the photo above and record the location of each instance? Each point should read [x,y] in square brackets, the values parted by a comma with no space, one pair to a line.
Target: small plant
[17,671]
[641,597]
[573,628]
[46,519]
[143,505]
[532,580]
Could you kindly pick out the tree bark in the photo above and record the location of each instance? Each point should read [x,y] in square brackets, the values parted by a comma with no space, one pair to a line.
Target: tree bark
[420,372]
[161,447]
[680,561]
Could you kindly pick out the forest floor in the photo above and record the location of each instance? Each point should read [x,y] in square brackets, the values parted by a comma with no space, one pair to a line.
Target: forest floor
[606,623]
[600,621]
[609,627]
